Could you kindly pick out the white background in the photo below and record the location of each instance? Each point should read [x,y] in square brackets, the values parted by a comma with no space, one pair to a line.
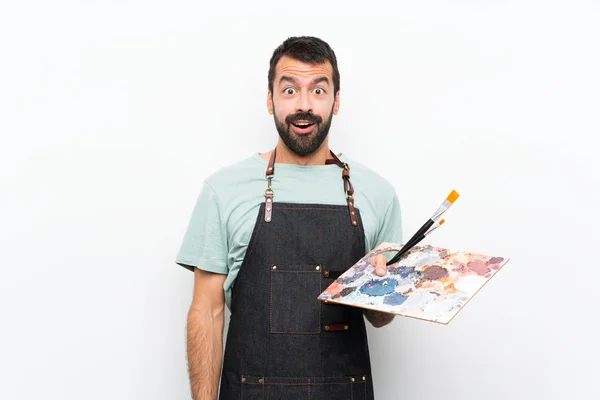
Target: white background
[113,112]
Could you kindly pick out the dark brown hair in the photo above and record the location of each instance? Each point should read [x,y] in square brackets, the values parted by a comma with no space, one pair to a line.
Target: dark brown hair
[309,50]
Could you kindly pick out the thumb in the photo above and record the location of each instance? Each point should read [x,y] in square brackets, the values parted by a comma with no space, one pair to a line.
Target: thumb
[379,262]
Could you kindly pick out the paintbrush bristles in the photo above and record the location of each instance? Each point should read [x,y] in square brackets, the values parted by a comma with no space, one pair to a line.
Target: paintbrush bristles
[435,226]
[452,196]
[446,204]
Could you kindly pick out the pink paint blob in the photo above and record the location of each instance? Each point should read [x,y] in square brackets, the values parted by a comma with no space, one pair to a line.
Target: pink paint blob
[478,267]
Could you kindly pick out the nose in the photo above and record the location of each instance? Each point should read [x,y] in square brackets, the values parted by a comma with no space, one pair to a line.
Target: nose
[304,103]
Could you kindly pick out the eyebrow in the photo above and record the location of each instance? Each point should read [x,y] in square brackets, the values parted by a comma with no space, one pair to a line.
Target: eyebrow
[294,81]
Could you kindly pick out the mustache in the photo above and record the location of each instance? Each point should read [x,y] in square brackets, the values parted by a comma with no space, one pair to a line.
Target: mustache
[305,116]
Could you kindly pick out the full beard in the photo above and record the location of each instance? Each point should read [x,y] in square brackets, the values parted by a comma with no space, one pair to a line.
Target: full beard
[307,144]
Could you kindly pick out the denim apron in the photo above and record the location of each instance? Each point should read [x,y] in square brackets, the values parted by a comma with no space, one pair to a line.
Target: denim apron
[283,343]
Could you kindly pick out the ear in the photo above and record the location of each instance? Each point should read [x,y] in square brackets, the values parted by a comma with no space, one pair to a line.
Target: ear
[336,103]
[270,102]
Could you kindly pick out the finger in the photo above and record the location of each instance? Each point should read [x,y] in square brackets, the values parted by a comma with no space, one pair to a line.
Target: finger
[380,267]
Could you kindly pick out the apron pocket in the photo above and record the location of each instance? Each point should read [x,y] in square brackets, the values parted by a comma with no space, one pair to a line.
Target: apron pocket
[294,307]
[313,388]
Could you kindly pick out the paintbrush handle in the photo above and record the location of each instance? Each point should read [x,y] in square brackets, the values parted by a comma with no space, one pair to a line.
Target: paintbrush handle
[420,232]
[418,236]
[405,249]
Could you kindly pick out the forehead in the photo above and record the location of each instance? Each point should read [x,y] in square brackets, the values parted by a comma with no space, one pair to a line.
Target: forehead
[287,66]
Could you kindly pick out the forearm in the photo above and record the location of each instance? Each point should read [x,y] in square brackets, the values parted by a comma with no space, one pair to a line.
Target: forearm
[378,319]
[205,352]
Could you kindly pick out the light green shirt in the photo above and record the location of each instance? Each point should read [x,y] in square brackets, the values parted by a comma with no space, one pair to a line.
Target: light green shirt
[226,210]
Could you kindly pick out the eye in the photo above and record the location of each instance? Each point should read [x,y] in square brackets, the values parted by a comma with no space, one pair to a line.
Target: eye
[289,90]
[319,91]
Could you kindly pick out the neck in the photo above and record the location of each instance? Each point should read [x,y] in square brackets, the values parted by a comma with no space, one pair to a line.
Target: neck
[286,156]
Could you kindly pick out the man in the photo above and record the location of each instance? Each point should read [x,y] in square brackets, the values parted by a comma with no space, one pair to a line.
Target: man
[269,234]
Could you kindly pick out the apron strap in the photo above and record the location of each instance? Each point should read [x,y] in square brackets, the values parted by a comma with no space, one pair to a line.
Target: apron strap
[269,193]
[348,188]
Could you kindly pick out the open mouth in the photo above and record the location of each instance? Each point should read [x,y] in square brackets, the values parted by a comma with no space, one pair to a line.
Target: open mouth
[302,125]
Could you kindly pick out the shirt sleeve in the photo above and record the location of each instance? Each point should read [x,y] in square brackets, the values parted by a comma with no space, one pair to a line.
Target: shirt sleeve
[391,226]
[205,241]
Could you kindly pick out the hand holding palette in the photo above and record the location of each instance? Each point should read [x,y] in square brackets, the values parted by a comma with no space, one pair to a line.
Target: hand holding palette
[428,283]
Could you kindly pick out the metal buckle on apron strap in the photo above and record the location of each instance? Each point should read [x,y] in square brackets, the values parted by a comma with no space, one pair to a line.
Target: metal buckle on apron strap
[269,193]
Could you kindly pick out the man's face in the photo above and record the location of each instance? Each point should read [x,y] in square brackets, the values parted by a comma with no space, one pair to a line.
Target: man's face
[302,104]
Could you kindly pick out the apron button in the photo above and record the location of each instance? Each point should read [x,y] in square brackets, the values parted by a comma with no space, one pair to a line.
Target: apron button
[318,267]
[260,380]
[326,327]
[274,267]
[351,379]
[243,379]
[364,378]
[345,327]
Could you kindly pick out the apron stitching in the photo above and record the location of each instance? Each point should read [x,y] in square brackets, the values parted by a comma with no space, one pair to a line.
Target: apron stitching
[320,303]
[310,208]
[298,384]
[271,302]
[251,245]
[251,250]
[308,388]
[296,272]
[360,226]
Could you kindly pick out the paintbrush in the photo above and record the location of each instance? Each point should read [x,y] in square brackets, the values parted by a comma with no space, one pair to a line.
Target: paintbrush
[414,241]
[422,232]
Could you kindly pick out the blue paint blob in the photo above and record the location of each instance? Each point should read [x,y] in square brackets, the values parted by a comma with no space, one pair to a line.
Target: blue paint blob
[350,279]
[406,272]
[394,299]
[379,287]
